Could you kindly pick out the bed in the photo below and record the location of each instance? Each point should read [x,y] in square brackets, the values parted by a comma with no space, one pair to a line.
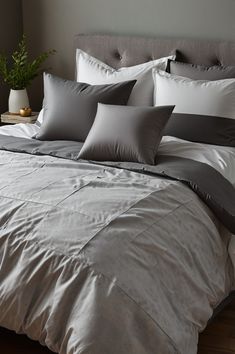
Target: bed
[112,257]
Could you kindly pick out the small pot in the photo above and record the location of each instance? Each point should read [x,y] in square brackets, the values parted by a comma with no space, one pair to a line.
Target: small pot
[25,112]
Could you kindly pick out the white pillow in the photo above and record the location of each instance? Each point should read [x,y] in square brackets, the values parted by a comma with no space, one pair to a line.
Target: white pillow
[94,72]
[213,98]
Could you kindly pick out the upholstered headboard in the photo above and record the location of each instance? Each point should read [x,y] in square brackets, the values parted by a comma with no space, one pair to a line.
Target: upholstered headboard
[118,51]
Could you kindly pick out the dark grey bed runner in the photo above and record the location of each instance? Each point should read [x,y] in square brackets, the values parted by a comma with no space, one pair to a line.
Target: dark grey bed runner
[217,192]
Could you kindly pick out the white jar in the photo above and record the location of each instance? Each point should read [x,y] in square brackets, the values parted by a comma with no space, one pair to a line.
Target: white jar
[18,99]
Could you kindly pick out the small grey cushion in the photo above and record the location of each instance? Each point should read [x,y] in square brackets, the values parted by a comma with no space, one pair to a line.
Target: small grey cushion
[200,72]
[126,133]
[70,107]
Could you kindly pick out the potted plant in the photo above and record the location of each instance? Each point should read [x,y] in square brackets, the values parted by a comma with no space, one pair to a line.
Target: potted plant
[19,72]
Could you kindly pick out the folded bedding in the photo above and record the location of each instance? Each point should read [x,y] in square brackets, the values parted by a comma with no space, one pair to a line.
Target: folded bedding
[221,158]
[101,248]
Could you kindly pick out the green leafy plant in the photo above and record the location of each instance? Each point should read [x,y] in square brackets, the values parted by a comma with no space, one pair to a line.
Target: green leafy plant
[19,72]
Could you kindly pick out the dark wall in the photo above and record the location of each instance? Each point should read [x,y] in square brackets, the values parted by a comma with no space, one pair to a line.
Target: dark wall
[11,27]
[53,24]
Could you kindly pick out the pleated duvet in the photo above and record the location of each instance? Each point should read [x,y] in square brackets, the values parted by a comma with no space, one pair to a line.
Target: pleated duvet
[102,260]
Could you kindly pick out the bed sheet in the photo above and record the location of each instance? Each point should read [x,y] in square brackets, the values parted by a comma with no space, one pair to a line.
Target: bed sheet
[22,130]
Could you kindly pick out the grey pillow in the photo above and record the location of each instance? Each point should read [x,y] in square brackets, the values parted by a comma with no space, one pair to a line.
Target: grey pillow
[202,129]
[70,107]
[200,72]
[126,133]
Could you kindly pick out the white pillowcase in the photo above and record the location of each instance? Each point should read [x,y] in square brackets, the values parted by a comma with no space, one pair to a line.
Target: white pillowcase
[213,98]
[94,72]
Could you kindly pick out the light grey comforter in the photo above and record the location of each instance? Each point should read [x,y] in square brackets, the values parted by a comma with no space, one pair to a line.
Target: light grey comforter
[100,260]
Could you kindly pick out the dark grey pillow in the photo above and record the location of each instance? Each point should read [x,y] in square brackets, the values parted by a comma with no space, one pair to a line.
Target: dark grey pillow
[200,72]
[126,133]
[70,107]
[202,129]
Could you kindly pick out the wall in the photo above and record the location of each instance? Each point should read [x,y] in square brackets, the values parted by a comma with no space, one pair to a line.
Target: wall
[53,23]
[10,33]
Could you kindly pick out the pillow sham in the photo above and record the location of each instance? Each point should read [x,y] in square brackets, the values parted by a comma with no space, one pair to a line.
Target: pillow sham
[213,98]
[200,72]
[95,72]
[70,107]
[126,133]
[204,112]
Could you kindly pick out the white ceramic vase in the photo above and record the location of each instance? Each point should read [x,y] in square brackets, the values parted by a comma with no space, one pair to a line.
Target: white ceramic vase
[17,100]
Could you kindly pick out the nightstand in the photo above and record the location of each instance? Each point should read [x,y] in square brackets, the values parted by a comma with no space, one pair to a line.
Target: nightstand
[8,118]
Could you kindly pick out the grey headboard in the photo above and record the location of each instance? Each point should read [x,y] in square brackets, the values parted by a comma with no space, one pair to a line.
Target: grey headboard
[118,51]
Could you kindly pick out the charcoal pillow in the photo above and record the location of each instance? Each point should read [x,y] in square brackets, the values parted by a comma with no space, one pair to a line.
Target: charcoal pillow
[201,128]
[126,133]
[200,72]
[70,107]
